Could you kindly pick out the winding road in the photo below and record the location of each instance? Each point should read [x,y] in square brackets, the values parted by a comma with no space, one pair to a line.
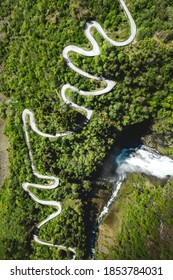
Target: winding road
[28,116]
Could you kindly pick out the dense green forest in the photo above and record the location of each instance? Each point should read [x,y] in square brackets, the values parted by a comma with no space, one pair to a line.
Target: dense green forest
[32,72]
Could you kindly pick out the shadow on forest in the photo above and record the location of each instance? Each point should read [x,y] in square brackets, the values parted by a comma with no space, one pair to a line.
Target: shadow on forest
[105,177]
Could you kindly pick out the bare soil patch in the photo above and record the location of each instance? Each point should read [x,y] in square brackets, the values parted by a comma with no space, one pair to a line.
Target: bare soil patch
[3,154]
[3,150]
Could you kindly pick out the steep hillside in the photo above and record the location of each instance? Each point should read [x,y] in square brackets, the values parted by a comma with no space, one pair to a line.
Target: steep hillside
[33,35]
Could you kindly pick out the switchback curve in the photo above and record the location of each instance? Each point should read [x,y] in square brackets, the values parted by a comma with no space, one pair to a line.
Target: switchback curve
[28,116]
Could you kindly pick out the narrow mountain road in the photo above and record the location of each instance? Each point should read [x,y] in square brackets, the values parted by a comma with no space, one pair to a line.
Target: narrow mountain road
[28,116]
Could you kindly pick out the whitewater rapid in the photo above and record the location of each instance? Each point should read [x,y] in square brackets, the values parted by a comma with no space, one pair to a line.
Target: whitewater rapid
[144,160]
[29,120]
[141,159]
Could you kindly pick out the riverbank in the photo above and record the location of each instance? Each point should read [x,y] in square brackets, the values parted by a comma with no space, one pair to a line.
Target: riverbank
[138,225]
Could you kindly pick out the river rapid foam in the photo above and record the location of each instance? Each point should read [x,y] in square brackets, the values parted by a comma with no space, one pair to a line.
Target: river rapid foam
[144,160]
[141,159]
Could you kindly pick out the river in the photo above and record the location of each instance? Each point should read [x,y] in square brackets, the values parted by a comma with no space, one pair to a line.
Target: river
[141,159]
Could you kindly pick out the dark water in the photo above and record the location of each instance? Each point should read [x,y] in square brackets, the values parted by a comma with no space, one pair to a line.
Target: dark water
[127,142]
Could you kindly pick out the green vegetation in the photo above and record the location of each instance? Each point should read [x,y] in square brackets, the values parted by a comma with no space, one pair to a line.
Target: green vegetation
[32,72]
[146,224]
